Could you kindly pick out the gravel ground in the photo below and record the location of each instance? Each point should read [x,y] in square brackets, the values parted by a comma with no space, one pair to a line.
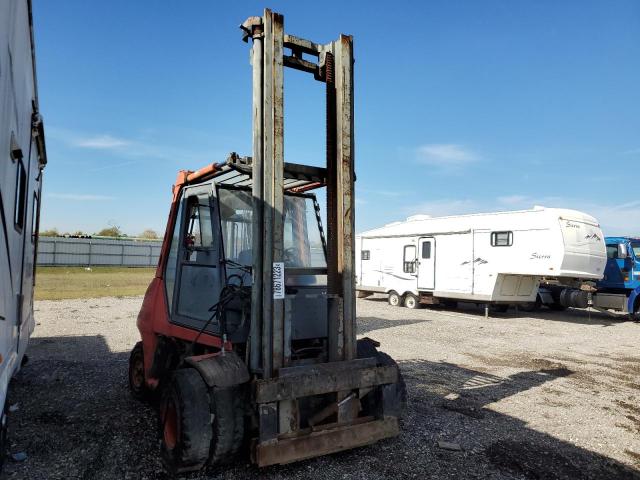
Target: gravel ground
[525,396]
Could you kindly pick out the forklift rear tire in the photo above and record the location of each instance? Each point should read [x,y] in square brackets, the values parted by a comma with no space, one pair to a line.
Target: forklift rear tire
[185,422]
[394,299]
[394,394]
[137,384]
[411,301]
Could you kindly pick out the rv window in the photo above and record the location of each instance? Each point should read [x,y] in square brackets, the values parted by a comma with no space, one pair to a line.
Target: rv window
[501,239]
[409,259]
[612,251]
[21,196]
[426,250]
[366,254]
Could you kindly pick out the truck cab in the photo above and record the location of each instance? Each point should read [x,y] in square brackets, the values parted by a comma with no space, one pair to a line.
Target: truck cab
[622,272]
[619,289]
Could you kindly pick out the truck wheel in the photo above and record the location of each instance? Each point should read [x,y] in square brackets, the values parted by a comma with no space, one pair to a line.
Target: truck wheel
[393,395]
[228,429]
[185,422]
[137,384]
[411,301]
[394,299]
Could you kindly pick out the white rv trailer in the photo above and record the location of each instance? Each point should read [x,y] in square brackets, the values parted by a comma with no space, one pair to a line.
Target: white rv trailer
[491,258]
[21,162]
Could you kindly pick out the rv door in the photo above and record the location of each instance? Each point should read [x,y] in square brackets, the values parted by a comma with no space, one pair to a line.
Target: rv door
[426,264]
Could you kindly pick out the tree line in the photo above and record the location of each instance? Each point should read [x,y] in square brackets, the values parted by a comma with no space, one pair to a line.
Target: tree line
[148,234]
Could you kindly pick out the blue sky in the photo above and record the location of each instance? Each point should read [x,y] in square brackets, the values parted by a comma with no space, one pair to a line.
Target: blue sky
[461,106]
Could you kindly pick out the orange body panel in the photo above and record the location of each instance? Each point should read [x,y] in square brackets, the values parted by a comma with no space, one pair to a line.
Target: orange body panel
[153,319]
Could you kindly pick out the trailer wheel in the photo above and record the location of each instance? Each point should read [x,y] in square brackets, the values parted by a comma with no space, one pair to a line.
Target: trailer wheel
[393,395]
[185,422]
[394,299]
[228,429]
[137,384]
[411,301]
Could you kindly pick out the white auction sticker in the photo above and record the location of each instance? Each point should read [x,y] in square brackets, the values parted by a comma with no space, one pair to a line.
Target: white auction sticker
[278,280]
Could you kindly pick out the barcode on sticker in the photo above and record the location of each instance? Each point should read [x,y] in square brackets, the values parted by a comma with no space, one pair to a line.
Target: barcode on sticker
[278,280]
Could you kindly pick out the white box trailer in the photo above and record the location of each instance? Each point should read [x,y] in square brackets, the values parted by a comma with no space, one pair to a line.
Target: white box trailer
[490,258]
[21,163]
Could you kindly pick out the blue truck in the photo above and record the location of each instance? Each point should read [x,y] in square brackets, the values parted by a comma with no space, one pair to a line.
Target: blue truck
[618,290]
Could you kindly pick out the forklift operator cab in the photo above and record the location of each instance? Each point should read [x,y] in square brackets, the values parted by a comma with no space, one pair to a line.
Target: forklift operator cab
[215,225]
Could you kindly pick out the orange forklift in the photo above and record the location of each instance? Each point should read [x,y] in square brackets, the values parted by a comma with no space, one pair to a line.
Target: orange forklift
[249,326]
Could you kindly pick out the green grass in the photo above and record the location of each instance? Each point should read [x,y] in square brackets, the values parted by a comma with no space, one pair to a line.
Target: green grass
[57,283]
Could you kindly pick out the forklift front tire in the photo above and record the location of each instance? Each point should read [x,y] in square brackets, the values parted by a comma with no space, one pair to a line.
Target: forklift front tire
[393,395]
[185,422]
[394,299]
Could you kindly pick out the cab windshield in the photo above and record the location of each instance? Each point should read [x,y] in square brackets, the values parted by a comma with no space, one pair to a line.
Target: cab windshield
[303,247]
[635,246]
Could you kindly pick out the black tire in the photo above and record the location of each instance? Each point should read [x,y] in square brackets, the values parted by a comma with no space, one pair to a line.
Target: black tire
[394,299]
[393,395]
[227,408]
[185,422]
[411,301]
[137,384]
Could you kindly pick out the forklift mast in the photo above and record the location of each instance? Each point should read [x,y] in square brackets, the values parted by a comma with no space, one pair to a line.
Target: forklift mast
[332,64]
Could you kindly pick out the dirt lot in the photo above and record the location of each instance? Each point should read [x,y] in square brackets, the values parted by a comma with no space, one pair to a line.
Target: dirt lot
[553,396]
